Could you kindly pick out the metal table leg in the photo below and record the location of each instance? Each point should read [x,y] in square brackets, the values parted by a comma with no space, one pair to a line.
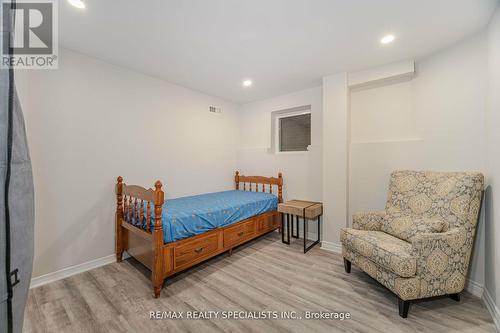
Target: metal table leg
[305,231]
[295,226]
[307,248]
[287,228]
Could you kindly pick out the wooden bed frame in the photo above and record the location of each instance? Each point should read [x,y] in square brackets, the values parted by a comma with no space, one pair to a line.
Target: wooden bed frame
[167,259]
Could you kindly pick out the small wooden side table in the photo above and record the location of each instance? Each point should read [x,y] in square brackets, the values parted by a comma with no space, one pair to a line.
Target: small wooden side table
[308,210]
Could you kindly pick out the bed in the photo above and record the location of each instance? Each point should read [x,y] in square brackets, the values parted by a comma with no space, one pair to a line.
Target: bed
[173,235]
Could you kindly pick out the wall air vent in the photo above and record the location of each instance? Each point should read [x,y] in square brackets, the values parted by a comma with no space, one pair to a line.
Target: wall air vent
[215,109]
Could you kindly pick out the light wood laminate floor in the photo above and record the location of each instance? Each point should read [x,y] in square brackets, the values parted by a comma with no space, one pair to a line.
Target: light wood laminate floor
[261,275]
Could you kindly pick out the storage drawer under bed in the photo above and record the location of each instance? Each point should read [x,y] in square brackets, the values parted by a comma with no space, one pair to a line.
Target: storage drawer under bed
[267,223]
[195,250]
[239,234]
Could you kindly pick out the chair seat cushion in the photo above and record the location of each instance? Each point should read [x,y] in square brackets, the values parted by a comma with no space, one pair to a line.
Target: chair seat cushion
[389,252]
[406,227]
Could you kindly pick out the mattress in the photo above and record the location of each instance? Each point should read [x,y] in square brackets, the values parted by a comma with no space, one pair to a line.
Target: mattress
[188,216]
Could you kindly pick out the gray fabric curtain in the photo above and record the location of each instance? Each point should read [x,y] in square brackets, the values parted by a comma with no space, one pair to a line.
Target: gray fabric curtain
[17,214]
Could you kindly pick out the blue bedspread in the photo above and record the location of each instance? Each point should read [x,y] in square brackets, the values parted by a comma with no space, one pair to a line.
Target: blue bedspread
[189,216]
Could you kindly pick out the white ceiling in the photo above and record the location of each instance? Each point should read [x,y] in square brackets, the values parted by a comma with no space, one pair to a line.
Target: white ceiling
[282,45]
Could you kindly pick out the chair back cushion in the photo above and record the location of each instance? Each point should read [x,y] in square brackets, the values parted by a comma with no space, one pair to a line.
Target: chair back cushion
[452,197]
[406,227]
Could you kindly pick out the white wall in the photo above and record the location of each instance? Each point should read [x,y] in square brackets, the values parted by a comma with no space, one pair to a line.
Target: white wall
[492,202]
[335,158]
[89,122]
[302,171]
[382,114]
[435,121]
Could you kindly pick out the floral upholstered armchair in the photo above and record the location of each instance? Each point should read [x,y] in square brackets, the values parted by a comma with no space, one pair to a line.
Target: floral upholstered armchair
[420,246]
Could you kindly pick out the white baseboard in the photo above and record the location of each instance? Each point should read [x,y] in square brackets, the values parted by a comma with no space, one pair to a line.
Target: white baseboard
[474,288]
[492,308]
[331,246]
[69,271]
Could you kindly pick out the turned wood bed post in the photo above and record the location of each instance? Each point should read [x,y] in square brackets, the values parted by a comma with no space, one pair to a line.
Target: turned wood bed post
[157,271]
[237,180]
[119,217]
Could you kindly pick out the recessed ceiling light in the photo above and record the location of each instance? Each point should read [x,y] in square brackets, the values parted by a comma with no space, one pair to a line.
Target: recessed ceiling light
[77,3]
[387,39]
[247,83]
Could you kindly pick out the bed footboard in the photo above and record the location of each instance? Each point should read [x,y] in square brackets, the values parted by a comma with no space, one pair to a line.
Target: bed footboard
[134,232]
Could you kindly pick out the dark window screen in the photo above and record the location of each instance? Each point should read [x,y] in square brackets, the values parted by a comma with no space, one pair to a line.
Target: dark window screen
[295,132]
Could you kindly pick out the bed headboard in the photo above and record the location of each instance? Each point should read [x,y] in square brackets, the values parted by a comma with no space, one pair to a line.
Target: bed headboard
[254,182]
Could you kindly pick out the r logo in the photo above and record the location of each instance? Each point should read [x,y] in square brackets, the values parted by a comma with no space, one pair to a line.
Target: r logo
[32,28]
[29,34]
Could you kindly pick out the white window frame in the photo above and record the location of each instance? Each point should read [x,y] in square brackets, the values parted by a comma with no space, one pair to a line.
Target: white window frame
[275,127]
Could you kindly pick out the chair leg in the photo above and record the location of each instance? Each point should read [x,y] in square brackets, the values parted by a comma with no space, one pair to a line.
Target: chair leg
[455,297]
[347,265]
[404,306]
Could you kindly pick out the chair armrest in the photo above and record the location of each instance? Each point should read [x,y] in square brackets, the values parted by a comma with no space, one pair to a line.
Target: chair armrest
[442,261]
[449,242]
[368,220]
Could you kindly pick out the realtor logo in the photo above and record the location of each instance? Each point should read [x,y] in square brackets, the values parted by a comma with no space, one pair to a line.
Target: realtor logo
[34,44]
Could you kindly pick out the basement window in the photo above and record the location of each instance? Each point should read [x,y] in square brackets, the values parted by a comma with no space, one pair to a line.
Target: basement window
[292,129]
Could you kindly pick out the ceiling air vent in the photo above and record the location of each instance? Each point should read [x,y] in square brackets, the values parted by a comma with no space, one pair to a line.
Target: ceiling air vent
[215,109]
